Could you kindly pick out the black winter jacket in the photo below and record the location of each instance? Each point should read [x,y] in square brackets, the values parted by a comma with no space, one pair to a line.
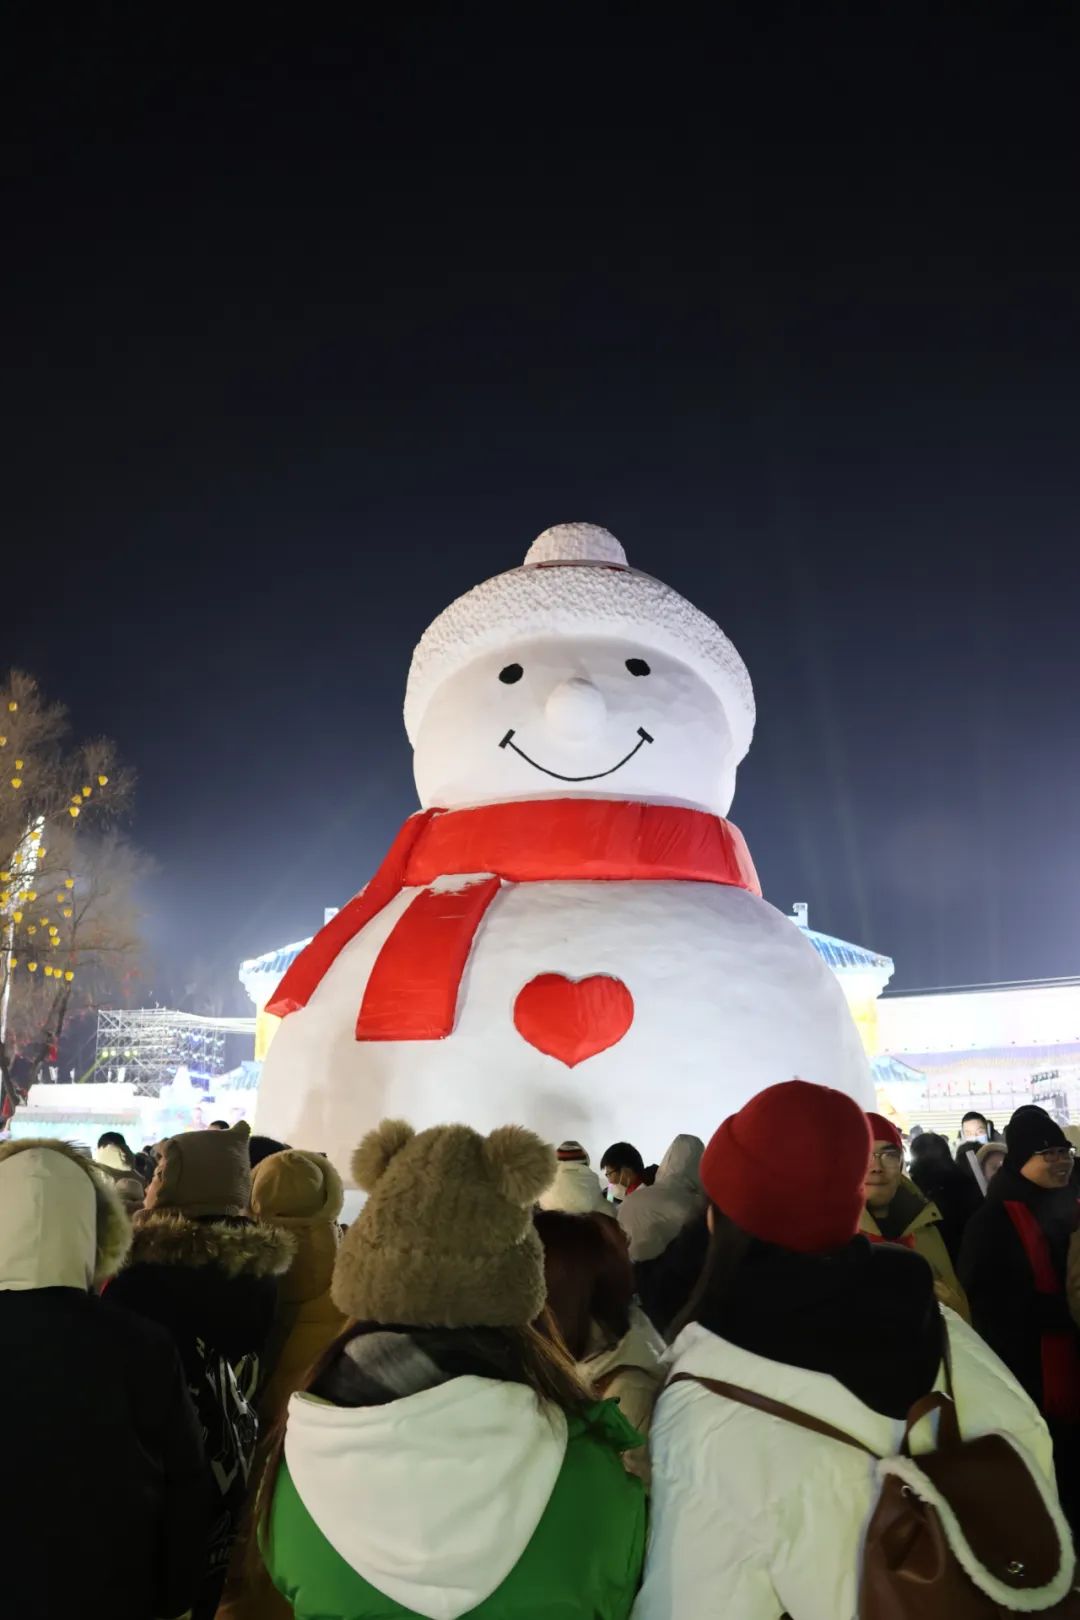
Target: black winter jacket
[107,1502]
[212,1283]
[212,1280]
[1006,1307]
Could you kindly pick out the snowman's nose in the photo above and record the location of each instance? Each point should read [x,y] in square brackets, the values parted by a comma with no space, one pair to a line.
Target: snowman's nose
[575,709]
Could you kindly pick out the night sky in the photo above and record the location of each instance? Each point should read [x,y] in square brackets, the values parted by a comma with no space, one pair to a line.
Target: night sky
[309,328]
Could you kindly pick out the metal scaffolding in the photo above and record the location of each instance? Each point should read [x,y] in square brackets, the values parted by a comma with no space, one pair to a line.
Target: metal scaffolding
[146,1045]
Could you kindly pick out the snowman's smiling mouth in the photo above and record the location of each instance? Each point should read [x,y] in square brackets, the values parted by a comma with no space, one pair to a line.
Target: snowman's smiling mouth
[593,776]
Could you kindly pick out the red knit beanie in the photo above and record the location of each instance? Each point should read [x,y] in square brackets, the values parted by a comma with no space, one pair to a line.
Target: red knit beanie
[885,1131]
[811,1198]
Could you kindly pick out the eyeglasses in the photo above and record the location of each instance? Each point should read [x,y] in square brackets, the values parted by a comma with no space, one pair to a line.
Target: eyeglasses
[1058,1155]
[888,1155]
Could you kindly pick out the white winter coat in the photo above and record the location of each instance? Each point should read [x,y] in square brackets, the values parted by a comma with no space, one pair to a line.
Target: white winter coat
[754,1518]
[576,1190]
[652,1217]
[629,1372]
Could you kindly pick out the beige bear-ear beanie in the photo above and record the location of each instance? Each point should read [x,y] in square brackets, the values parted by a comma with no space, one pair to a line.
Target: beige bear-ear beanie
[446,1237]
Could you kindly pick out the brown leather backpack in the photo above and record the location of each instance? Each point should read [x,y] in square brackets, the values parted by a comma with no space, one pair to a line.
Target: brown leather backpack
[964,1532]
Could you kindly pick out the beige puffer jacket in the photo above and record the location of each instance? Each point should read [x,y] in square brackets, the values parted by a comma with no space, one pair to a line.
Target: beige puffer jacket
[629,1372]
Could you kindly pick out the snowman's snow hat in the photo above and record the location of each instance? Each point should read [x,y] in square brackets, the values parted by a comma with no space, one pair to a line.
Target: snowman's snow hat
[576,581]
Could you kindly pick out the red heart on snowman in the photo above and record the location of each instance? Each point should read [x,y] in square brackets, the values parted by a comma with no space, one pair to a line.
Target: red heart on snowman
[573,1019]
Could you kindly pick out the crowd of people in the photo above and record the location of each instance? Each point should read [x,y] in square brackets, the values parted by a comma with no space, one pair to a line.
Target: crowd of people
[513,1388]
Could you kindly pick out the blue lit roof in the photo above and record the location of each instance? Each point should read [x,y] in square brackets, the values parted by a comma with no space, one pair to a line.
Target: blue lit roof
[274,962]
[839,953]
[888,1070]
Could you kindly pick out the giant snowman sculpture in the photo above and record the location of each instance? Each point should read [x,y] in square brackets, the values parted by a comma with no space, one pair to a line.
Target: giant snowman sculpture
[568,935]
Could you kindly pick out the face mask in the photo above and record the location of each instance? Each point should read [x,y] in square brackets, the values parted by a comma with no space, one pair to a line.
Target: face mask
[980,1138]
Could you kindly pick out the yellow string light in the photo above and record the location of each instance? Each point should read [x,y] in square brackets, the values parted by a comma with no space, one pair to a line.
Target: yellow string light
[31,894]
[16,781]
[31,929]
[69,883]
[4,876]
[32,966]
[72,810]
[44,921]
[14,961]
[48,971]
[18,767]
[67,911]
[69,975]
[3,742]
[13,707]
[103,781]
[86,792]
[16,916]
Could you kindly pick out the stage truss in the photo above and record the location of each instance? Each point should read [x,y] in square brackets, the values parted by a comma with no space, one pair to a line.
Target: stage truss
[146,1045]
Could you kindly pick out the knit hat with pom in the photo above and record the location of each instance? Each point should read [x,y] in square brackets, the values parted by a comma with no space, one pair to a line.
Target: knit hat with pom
[446,1237]
[576,580]
[571,1152]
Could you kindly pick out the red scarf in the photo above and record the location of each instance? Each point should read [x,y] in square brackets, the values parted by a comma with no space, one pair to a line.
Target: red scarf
[412,991]
[1060,1356]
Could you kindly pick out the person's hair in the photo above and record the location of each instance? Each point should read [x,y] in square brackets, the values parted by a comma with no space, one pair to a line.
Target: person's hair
[534,1357]
[973,1113]
[589,1277]
[145,1165]
[931,1149]
[623,1156]
[218,1125]
[933,1169]
[261,1147]
[113,1139]
[728,1248]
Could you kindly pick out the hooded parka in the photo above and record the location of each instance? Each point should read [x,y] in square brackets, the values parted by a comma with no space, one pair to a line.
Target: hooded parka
[98,1426]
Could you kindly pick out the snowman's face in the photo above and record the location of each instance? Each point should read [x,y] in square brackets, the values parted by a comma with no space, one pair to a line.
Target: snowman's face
[557,717]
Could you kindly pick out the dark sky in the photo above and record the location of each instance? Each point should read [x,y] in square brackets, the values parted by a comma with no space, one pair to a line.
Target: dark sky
[309,327]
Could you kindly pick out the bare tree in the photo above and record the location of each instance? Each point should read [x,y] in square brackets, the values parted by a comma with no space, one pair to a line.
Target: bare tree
[68,923]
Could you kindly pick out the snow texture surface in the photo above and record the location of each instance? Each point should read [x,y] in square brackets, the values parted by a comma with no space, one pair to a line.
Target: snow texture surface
[729,997]
[582,597]
[576,542]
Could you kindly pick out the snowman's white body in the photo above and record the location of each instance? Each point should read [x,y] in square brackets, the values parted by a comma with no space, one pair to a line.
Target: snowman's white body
[576,677]
[729,997]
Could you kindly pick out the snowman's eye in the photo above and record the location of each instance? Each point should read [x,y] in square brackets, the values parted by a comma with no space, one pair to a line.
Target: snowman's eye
[512,673]
[638,666]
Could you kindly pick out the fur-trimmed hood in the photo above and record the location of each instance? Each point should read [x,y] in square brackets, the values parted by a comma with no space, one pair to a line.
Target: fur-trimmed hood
[62,1225]
[237,1247]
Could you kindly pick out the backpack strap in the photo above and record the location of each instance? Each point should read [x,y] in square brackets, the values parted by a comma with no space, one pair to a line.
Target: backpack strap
[941,1402]
[948,1430]
[777,1409]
